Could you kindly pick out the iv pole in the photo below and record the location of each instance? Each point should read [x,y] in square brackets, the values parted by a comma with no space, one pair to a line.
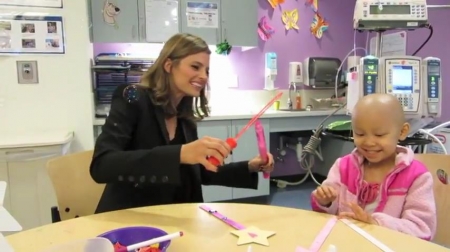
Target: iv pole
[438,6]
[378,44]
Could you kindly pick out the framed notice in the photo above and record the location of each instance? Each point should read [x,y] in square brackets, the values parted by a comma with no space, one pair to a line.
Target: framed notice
[31,34]
[33,3]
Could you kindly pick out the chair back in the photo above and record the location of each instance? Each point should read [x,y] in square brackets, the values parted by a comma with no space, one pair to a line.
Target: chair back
[439,166]
[77,193]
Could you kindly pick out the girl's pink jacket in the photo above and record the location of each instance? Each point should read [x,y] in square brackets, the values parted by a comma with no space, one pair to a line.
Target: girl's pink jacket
[406,199]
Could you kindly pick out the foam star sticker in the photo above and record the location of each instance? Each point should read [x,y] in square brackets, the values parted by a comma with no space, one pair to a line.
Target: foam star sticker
[253,235]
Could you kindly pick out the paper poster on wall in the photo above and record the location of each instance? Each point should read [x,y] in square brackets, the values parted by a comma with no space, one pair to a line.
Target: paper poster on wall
[161,20]
[34,3]
[393,44]
[31,34]
[202,15]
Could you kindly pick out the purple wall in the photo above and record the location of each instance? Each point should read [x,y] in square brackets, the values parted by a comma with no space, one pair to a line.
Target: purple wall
[295,45]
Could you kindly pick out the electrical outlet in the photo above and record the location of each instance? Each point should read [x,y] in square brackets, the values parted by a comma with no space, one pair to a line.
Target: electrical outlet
[27,72]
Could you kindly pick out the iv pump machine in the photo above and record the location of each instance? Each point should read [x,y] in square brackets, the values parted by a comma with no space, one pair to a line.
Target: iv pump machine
[416,82]
[376,14]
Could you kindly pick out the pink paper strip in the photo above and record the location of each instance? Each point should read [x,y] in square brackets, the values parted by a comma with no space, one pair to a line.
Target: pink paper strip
[322,236]
[223,218]
[262,147]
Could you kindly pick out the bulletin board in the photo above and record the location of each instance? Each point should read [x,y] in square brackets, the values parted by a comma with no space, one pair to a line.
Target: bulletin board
[31,34]
[33,3]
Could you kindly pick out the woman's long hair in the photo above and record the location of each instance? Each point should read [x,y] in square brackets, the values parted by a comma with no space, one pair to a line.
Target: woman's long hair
[159,81]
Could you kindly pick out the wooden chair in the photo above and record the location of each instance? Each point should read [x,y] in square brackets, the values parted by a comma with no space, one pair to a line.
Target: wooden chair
[439,166]
[77,193]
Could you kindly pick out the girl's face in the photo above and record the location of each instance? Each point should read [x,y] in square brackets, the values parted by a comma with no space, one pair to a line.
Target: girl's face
[191,75]
[376,135]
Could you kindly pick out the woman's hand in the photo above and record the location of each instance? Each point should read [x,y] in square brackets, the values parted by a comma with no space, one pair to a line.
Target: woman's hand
[257,164]
[198,151]
[358,213]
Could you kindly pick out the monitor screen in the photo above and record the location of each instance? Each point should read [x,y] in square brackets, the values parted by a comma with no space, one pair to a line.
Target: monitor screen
[371,69]
[390,10]
[434,70]
[402,79]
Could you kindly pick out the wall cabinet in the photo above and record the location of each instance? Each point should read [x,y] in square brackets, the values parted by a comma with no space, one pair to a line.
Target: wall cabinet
[212,36]
[4,177]
[221,130]
[240,22]
[237,22]
[32,193]
[29,191]
[247,149]
[109,28]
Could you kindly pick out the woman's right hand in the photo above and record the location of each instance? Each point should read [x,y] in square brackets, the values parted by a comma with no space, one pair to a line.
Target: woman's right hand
[198,151]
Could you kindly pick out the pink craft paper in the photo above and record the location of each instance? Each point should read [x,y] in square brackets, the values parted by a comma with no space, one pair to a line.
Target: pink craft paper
[265,30]
[262,147]
[223,218]
[320,238]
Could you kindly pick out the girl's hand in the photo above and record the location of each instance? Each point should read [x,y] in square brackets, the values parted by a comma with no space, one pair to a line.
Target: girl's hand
[358,214]
[324,195]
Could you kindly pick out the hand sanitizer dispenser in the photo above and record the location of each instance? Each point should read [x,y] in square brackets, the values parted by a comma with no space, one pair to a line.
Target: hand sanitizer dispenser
[295,72]
[270,71]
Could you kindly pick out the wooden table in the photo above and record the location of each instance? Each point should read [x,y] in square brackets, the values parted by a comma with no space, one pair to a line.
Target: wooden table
[203,232]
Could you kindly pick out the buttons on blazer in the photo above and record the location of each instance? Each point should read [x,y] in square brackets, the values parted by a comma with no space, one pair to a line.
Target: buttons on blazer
[165,179]
[120,178]
[130,178]
[142,179]
[153,179]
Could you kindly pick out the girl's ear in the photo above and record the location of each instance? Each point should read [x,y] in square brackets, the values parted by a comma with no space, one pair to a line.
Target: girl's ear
[404,131]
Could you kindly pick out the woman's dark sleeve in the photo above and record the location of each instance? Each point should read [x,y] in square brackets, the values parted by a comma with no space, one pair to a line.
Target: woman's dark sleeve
[112,162]
[234,174]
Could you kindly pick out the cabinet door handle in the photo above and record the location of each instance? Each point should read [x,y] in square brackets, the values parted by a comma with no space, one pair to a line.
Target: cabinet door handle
[217,36]
[142,32]
[133,31]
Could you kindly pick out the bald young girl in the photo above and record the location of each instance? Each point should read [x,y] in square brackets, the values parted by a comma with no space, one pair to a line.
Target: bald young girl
[380,182]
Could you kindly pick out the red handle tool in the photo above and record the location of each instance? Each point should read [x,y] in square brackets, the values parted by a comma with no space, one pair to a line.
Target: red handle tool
[233,141]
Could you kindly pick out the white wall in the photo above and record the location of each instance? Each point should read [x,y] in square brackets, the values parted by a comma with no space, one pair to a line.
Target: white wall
[62,100]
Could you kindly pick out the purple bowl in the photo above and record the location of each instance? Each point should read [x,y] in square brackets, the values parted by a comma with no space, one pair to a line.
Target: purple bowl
[132,235]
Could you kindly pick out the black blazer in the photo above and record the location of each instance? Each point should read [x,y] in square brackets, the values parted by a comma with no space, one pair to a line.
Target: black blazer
[133,157]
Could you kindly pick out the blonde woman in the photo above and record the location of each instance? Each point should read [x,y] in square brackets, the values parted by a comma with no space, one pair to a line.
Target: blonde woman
[149,152]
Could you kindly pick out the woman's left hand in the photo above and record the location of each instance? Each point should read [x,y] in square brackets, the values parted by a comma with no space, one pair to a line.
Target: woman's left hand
[257,164]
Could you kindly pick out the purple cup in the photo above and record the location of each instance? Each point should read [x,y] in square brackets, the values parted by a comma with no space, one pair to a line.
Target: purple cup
[132,235]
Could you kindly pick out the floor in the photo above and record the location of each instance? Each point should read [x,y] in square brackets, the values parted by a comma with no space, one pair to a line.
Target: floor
[291,196]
